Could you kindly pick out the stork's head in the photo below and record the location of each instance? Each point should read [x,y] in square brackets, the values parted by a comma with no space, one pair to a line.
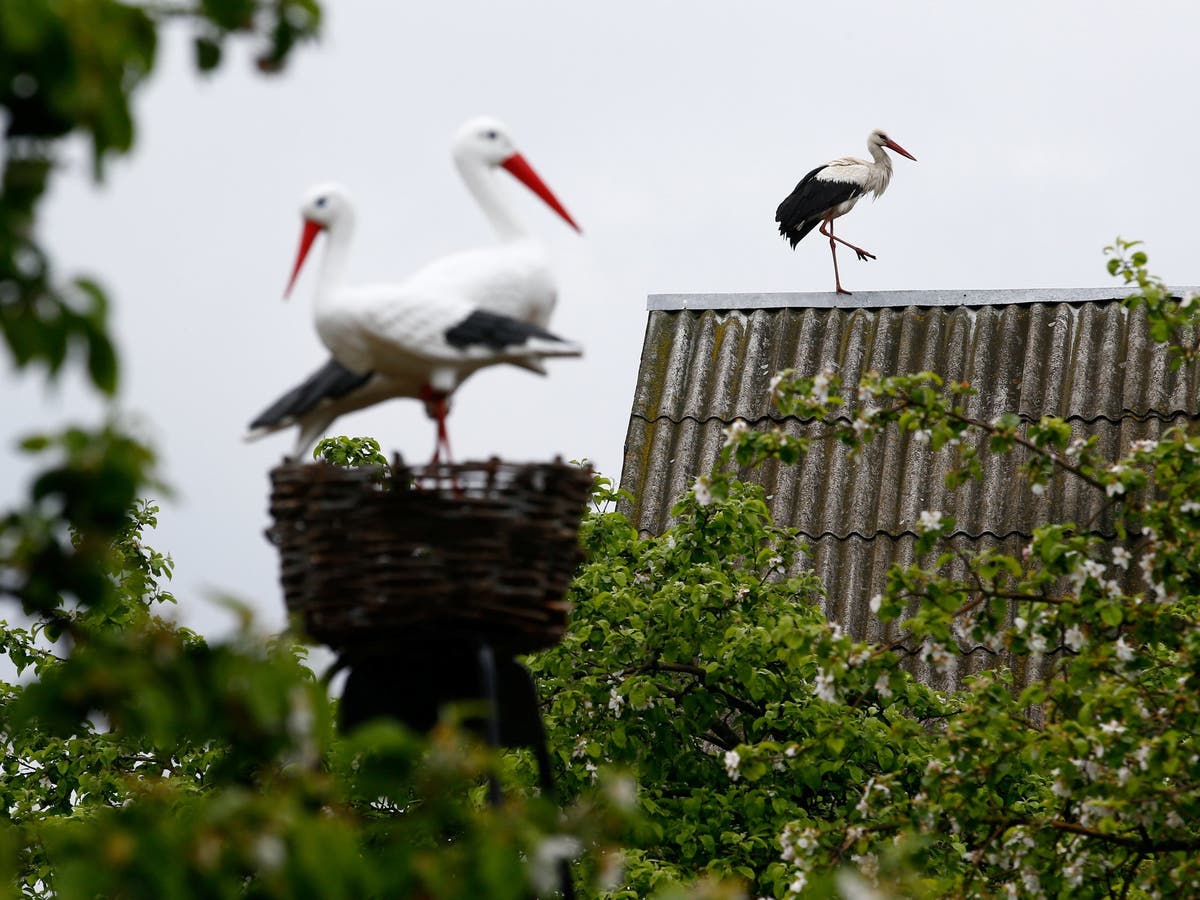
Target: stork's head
[484,139]
[324,206]
[485,142]
[879,138]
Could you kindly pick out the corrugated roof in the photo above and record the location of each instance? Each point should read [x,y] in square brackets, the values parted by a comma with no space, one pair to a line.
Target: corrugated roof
[1080,355]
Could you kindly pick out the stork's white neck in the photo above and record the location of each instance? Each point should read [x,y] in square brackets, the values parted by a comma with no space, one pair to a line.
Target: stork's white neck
[881,174]
[331,274]
[483,187]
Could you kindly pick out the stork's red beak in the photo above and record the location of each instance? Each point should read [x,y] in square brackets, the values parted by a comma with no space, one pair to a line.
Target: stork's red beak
[311,230]
[523,172]
[892,145]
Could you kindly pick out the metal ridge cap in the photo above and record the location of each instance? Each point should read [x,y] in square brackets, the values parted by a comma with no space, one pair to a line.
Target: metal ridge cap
[878,299]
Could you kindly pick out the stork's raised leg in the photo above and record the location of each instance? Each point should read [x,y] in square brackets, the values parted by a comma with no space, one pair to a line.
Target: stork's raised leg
[864,255]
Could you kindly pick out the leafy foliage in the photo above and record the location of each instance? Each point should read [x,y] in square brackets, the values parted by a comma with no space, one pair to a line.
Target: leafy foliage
[73,67]
[694,662]
[1083,783]
[351,452]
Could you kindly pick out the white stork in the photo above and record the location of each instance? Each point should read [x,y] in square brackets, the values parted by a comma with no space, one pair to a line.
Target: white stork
[831,190]
[422,337]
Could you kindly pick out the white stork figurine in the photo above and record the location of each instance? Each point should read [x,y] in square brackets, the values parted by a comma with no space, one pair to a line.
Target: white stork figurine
[422,337]
[831,190]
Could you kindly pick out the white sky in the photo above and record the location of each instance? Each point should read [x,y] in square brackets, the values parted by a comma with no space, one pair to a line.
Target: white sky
[670,131]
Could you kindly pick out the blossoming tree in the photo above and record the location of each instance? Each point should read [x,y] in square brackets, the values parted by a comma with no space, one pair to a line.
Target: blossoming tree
[772,748]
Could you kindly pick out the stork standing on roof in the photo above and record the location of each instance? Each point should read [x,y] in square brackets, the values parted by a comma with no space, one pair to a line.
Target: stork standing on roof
[421,338]
[831,190]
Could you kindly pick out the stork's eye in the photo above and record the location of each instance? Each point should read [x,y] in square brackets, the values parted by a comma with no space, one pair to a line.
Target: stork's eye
[491,135]
[321,201]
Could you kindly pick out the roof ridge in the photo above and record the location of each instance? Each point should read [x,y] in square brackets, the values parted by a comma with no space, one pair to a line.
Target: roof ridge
[876,299]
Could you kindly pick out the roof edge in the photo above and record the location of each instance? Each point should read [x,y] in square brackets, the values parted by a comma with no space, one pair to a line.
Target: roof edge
[877,299]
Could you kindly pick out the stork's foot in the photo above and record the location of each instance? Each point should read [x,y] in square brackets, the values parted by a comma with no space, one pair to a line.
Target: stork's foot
[842,290]
[864,255]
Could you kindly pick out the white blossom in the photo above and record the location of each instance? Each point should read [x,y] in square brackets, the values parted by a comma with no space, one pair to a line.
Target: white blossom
[1032,885]
[773,385]
[824,687]
[736,428]
[929,520]
[544,863]
[1060,787]
[922,435]
[1112,726]
[1187,299]
[615,701]
[937,656]
[882,687]
[1143,756]
[1074,873]
[270,851]
[1124,651]
[798,883]
[732,762]
[1143,446]
[1190,506]
[703,490]
[857,658]
[868,864]
[1038,489]
[1075,638]
[876,602]
[820,386]
[1116,487]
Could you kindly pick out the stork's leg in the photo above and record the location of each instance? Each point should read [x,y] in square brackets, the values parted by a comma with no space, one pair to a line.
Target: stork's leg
[443,436]
[864,255]
[437,406]
[837,280]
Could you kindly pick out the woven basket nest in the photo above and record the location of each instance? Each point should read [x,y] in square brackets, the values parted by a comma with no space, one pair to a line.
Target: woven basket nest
[478,550]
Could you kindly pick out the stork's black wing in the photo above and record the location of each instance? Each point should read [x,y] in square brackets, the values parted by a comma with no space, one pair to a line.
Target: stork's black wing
[331,381]
[807,205]
[495,331]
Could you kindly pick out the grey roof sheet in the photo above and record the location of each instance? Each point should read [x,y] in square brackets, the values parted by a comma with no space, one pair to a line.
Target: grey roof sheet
[1091,362]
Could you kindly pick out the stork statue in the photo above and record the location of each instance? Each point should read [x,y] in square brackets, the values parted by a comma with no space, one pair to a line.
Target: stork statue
[423,337]
[831,190]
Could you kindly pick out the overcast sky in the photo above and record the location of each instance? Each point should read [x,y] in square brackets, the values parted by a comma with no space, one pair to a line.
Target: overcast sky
[671,131]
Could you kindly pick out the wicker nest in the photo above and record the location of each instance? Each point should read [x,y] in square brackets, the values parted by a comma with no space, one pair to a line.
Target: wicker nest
[482,549]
